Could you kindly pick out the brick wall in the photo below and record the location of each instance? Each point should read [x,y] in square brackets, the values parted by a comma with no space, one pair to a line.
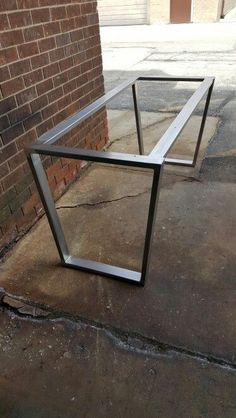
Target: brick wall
[51,67]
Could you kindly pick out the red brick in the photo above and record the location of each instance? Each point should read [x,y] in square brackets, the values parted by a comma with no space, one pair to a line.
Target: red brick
[8,5]
[87,8]
[24,222]
[74,72]
[54,168]
[56,54]
[11,38]
[90,53]
[27,50]
[7,152]
[61,116]
[51,28]
[12,178]
[50,110]
[44,127]
[44,86]
[55,94]
[40,61]
[86,66]
[58,13]
[4,122]
[60,174]
[59,190]
[73,10]
[47,161]
[7,197]
[19,114]
[12,133]
[5,214]
[92,19]
[33,77]
[71,49]
[19,200]
[40,15]
[26,139]
[4,170]
[27,4]
[66,63]
[60,79]
[49,2]
[20,19]
[33,33]
[82,79]
[51,70]
[17,160]
[8,55]
[32,121]
[12,86]
[79,58]
[20,67]
[63,39]
[81,21]
[70,176]
[4,22]
[77,35]
[30,204]
[39,103]
[70,86]
[64,102]
[4,74]
[84,101]
[26,96]
[47,44]
[67,25]
[25,181]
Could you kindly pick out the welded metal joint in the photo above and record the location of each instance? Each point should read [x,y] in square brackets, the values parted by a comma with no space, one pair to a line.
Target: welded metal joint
[154,162]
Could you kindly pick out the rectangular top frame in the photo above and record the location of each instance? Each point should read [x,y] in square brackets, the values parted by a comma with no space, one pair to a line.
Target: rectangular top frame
[44,143]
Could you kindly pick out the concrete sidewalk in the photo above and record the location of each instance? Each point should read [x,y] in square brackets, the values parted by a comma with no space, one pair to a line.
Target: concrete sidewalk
[195,36]
[79,345]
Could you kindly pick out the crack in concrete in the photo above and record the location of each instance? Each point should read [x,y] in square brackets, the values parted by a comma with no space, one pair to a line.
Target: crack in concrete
[128,340]
[102,202]
[143,129]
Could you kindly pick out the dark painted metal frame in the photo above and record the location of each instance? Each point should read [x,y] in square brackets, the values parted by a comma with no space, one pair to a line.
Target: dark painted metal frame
[154,161]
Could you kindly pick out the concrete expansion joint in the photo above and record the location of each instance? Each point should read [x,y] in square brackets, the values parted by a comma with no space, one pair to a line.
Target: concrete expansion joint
[102,202]
[126,340]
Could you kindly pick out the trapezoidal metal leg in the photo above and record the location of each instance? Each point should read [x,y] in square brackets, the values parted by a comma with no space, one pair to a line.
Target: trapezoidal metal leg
[156,182]
[48,204]
[131,276]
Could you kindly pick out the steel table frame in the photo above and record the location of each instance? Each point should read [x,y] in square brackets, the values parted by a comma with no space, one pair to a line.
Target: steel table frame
[154,161]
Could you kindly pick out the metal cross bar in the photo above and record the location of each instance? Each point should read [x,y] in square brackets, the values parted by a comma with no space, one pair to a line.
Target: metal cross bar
[154,162]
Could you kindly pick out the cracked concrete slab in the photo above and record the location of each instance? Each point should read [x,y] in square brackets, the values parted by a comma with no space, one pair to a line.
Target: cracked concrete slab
[192,271]
[68,369]
[123,136]
[104,217]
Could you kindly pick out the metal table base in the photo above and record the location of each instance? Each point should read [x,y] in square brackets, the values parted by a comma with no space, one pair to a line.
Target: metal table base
[45,145]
